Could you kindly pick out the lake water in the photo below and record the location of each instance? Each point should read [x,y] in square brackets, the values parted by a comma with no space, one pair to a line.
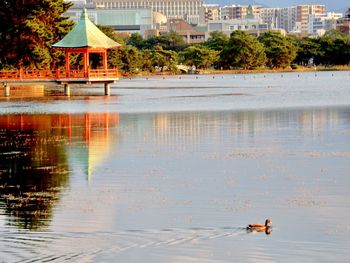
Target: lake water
[173,169]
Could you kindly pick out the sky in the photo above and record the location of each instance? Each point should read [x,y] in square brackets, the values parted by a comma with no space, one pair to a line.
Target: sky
[331,5]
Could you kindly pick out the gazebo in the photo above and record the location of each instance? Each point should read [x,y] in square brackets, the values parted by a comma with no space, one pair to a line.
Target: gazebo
[86,38]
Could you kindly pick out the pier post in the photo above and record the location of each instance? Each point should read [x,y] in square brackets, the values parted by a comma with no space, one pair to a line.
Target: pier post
[107,89]
[6,90]
[66,89]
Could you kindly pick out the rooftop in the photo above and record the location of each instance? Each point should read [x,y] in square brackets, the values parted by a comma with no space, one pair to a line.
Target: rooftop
[86,34]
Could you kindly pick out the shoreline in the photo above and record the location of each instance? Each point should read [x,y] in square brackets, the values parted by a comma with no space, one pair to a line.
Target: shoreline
[242,71]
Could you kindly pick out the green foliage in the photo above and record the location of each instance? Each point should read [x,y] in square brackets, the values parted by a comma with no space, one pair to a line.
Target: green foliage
[280,50]
[164,59]
[335,49]
[147,60]
[217,41]
[168,41]
[136,40]
[242,51]
[171,41]
[307,50]
[112,34]
[127,59]
[199,56]
[27,31]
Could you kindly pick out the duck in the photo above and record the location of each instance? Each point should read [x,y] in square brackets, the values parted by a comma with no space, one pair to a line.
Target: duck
[260,227]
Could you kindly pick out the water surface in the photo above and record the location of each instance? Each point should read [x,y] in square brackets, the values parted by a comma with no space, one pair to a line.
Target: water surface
[176,185]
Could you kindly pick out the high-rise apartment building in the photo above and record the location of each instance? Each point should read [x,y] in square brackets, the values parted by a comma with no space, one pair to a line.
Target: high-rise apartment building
[271,16]
[209,12]
[291,19]
[240,12]
[319,24]
[302,15]
[172,9]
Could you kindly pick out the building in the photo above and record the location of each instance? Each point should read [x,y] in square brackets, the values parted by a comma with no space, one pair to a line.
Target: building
[347,15]
[227,26]
[271,16]
[344,23]
[344,27]
[291,19]
[240,12]
[173,9]
[188,33]
[209,12]
[319,24]
[129,20]
[302,16]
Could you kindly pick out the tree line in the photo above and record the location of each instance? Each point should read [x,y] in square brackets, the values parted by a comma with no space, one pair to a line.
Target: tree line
[238,51]
[29,28]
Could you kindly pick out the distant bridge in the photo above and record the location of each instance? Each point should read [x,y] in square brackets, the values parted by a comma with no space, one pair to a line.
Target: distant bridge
[187,69]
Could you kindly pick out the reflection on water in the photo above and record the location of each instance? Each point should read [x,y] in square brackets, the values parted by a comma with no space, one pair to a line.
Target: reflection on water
[25,91]
[34,164]
[175,187]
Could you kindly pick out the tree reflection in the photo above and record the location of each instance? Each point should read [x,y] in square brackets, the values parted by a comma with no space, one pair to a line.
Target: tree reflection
[34,164]
[33,170]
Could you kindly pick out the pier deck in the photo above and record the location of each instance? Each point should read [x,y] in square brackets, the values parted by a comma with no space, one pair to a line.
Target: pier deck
[105,76]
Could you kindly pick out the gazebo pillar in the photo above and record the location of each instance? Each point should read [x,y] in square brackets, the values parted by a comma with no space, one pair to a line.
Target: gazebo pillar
[86,62]
[6,89]
[66,89]
[107,89]
[67,63]
[104,59]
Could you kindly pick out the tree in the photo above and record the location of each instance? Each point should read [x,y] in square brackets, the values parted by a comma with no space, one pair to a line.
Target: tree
[199,56]
[217,41]
[171,41]
[242,51]
[27,31]
[112,34]
[280,50]
[136,40]
[127,59]
[147,60]
[334,49]
[164,59]
[307,50]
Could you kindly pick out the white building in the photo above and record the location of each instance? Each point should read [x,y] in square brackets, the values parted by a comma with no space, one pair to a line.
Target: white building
[129,20]
[302,15]
[228,26]
[172,9]
[319,24]
[291,19]
[272,17]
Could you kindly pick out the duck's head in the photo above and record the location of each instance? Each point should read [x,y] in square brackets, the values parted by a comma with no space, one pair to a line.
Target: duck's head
[268,222]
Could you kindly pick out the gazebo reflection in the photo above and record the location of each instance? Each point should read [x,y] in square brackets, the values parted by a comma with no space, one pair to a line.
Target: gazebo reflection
[35,164]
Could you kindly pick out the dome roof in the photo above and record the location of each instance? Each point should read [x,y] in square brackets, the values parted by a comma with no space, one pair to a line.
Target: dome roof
[159,18]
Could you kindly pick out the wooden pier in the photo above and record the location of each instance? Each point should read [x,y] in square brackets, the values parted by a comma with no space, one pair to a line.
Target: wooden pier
[63,77]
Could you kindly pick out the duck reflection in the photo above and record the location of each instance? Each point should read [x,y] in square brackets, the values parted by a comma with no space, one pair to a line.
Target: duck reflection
[34,163]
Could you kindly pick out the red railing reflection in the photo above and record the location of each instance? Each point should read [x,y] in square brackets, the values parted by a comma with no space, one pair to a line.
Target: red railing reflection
[68,125]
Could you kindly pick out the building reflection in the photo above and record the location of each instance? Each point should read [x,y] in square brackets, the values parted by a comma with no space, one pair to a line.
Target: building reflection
[192,127]
[34,160]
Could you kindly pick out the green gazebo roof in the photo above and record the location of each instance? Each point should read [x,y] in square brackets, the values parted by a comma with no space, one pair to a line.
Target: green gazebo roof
[86,34]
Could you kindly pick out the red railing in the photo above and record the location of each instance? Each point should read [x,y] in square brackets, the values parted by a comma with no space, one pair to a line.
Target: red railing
[38,74]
